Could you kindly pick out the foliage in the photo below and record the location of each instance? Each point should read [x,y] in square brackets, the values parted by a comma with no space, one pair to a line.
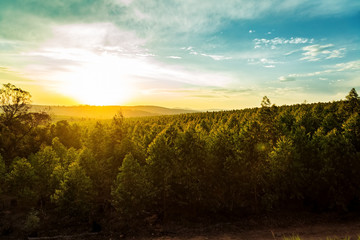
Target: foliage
[236,162]
[18,127]
[131,191]
[74,195]
[2,174]
[32,222]
[292,238]
[21,180]
[44,163]
[13,102]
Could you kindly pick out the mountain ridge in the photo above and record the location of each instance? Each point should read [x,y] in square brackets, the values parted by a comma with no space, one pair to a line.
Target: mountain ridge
[107,112]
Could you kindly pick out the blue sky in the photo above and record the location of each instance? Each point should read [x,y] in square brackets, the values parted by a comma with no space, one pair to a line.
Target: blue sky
[190,54]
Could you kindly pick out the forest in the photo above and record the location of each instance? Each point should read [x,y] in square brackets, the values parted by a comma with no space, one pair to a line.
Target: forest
[131,172]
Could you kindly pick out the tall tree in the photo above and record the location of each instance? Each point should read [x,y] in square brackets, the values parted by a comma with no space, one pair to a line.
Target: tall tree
[17,123]
[14,102]
[265,102]
[131,190]
[353,101]
[352,95]
[75,192]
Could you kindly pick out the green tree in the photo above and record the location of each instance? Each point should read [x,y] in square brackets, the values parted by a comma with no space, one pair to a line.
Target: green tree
[191,170]
[2,174]
[161,162]
[131,190]
[60,150]
[68,134]
[75,194]
[254,149]
[265,102]
[17,124]
[285,173]
[14,103]
[352,95]
[352,130]
[338,180]
[44,163]
[21,180]
[353,101]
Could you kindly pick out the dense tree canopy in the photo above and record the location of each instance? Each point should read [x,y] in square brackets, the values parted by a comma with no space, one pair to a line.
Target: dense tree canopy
[245,161]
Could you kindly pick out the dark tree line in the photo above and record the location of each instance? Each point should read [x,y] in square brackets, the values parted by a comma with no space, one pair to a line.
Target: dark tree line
[303,156]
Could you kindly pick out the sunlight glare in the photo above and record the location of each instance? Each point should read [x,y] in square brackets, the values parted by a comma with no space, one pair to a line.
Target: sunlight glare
[100,81]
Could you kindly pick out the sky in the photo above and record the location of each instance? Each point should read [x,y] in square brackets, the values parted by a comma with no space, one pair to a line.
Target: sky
[196,54]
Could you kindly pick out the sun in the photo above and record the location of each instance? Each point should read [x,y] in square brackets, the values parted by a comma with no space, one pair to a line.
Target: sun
[100,81]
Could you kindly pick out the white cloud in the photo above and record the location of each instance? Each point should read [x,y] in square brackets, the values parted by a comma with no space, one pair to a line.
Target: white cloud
[216,57]
[272,43]
[191,51]
[265,62]
[287,79]
[81,45]
[340,67]
[208,16]
[174,57]
[79,54]
[291,52]
[317,52]
[124,2]
[353,65]
[336,53]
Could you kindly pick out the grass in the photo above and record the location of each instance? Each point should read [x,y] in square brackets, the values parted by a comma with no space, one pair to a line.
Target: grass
[292,238]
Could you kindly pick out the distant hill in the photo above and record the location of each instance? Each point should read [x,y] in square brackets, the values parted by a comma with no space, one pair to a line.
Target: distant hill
[106,112]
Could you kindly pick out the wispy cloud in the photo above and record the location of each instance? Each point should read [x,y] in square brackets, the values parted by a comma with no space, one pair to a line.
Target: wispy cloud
[137,42]
[174,57]
[190,50]
[274,42]
[215,57]
[353,65]
[340,67]
[287,79]
[5,70]
[292,52]
[164,18]
[265,62]
[317,52]
[106,55]
[208,16]
[201,92]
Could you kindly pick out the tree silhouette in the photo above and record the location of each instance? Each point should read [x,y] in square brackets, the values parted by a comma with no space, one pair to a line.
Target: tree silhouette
[353,101]
[14,102]
[352,95]
[16,123]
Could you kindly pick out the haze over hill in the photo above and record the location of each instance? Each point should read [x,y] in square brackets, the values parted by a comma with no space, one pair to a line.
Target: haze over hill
[107,112]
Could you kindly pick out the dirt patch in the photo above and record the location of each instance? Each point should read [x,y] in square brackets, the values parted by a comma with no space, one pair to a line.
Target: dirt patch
[306,232]
[265,227]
